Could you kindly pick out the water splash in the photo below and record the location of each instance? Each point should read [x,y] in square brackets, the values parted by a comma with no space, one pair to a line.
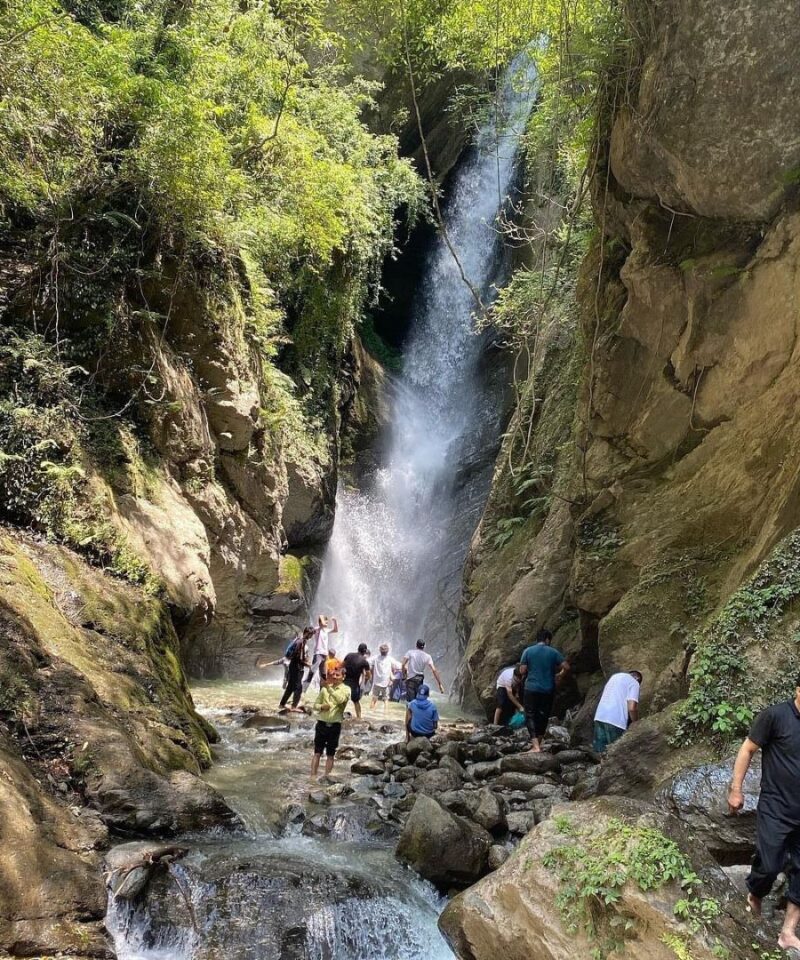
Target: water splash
[398,547]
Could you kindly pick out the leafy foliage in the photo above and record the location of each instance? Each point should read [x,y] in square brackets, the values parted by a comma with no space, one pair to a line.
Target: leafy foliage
[595,866]
[726,688]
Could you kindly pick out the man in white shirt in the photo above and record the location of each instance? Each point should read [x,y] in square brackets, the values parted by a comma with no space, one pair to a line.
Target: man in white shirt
[509,682]
[415,662]
[618,708]
[320,650]
[383,666]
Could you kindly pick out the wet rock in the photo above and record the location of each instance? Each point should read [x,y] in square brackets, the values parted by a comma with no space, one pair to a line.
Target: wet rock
[452,749]
[319,796]
[483,752]
[481,771]
[544,791]
[348,753]
[434,782]
[698,796]
[559,734]
[448,763]
[266,723]
[417,746]
[498,854]
[445,849]
[130,866]
[368,766]
[571,756]
[520,821]
[364,785]
[395,790]
[531,763]
[520,781]
[481,806]
[406,773]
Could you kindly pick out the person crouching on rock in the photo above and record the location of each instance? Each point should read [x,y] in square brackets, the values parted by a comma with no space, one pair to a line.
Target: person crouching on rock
[508,688]
[776,732]
[330,704]
[422,717]
[617,710]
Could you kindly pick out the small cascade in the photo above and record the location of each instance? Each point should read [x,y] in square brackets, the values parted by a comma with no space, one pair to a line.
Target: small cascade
[392,568]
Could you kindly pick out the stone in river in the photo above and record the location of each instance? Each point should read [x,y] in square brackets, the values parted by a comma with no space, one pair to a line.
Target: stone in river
[529,763]
[368,765]
[266,723]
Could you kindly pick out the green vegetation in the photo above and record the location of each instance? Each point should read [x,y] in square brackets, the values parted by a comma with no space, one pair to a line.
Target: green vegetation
[174,175]
[597,864]
[731,674]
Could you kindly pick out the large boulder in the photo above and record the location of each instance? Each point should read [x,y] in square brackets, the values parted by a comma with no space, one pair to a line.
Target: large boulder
[437,781]
[482,806]
[530,763]
[514,912]
[444,848]
[698,798]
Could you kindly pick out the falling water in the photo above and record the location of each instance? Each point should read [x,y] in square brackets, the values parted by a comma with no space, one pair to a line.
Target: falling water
[398,547]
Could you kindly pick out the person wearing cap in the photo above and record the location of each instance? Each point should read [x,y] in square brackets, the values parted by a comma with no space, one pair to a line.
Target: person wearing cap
[422,717]
[383,667]
[617,710]
[415,663]
[330,704]
[356,671]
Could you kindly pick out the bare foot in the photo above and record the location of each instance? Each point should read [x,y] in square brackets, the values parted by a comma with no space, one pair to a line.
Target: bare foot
[755,904]
[788,941]
[535,749]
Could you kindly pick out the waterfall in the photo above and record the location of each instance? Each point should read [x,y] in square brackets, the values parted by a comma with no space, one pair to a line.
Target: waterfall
[393,565]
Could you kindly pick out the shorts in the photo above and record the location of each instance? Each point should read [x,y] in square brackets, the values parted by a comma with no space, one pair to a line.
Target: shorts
[604,735]
[326,737]
[355,690]
[381,693]
[412,686]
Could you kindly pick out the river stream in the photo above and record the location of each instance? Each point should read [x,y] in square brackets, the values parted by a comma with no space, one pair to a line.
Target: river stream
[300,881]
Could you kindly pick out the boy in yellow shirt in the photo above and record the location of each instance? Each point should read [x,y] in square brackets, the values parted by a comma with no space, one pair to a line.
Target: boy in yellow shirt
[330,704]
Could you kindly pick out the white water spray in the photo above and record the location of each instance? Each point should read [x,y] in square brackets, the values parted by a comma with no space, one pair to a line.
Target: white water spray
[398,545]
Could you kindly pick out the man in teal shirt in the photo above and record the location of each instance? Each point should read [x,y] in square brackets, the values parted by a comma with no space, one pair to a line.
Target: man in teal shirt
[543,665]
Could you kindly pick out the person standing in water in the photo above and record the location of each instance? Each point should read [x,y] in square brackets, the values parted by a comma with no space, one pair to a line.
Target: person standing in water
[321,643]
[415,663]
[330,704]
[356,671]
[383,667]
[543,666]
[422,717]
[776,732]
[298,661]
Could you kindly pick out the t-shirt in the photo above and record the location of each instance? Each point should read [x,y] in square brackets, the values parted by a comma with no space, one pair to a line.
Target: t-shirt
[382,669]
[336,697]
[506,679]
[321,642]
[354,666]
[777,731]
[542,662]
[418,660]
[613,705]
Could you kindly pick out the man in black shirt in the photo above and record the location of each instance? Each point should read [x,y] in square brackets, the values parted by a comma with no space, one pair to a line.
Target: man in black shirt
[776,732]
[356,671]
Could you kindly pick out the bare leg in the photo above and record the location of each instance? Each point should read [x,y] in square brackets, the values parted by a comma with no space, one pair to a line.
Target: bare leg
[315,765]
[373,702]
[788,939]
[754,903]
[358,710]
[328,765]
[497,715]
[535,745]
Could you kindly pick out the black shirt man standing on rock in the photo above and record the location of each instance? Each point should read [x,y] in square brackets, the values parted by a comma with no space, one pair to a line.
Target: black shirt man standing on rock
[776,732]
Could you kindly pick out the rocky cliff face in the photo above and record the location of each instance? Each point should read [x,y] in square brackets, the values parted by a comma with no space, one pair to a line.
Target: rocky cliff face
[684,476]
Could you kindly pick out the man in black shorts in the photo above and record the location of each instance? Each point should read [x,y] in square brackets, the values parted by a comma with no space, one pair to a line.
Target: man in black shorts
[776,732]
[357,671]
[330,704]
